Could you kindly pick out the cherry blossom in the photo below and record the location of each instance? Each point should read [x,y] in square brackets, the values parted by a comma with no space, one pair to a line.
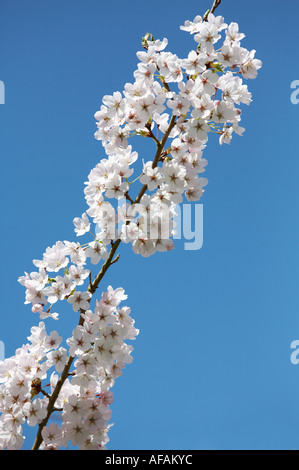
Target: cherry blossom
[177,105]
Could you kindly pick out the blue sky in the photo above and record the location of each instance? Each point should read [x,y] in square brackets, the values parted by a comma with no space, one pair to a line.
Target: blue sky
[212,363]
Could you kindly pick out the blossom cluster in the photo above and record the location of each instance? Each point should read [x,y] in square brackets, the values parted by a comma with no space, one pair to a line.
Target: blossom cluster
[176,103]
[183,101]
[83,402]
[68,260]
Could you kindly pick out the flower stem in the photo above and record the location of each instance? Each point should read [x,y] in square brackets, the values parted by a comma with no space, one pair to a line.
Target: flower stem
[215,5]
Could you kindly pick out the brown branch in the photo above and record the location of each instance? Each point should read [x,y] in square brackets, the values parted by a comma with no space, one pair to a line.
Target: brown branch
[52,401]
[215,5]
[128,197]
[105,267]
[115,260]
[160,148]
[152,136]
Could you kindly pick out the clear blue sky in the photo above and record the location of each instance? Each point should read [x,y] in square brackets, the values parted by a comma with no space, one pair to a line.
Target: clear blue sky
[212,363]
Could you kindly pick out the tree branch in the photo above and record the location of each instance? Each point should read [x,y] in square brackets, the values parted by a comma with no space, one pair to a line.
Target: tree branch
[153,137]
[109,262]
[160,148]
[115,260]
[105,267]
[215,5]
[128,197]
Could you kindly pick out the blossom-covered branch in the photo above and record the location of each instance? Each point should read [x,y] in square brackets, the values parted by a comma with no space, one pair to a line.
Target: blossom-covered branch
[175,104]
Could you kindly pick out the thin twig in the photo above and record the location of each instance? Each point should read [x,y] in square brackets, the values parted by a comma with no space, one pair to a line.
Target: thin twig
[152,135]
[45,393]
[115,260]
[215,5]
[128,197]
[160,148]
